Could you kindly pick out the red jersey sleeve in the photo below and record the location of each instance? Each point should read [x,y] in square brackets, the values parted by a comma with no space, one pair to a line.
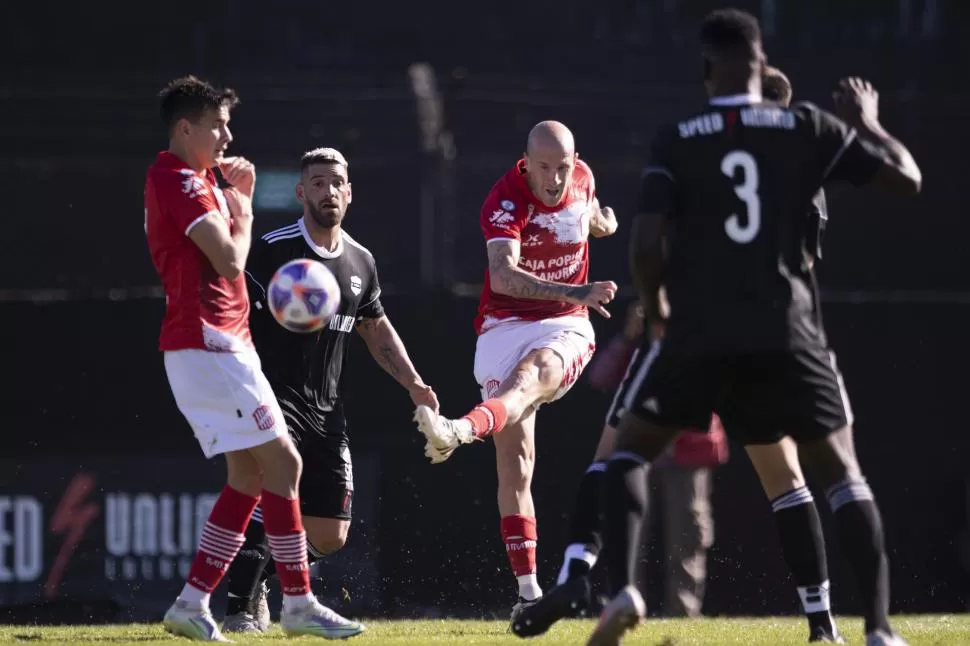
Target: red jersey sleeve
[587,178]
[185,196]
[502,216]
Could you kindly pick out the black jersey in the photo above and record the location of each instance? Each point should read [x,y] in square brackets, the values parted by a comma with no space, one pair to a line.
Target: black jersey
[737,183]
[305,369]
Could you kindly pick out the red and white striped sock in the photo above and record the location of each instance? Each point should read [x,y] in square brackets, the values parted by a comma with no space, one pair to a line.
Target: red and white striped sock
[222,536]
[287,544]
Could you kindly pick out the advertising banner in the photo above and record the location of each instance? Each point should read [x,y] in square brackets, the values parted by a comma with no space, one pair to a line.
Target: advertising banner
[118,536]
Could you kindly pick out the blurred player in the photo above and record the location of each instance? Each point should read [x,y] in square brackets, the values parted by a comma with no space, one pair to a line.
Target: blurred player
[764,367]
[305,371]
[199,237]
[535,337]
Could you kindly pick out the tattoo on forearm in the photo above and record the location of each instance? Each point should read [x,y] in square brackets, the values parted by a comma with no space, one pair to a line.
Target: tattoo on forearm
[521,284]
[387,349]
[389,358]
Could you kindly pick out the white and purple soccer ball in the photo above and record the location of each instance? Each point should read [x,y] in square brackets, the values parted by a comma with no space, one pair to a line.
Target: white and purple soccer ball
[303,295]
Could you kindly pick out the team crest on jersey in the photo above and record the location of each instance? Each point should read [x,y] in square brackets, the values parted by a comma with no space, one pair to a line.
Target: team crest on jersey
[491,386]
[263,416]
[192,185]
[355,285]
[508,205]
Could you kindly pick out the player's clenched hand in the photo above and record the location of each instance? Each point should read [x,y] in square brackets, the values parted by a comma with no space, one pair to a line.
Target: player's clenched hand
[594,295]
[241,173]
[422,395]
[855,98]
[240,206]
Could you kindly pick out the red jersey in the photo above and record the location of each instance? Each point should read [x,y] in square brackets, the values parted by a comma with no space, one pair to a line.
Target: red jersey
[203,310]
[553,242]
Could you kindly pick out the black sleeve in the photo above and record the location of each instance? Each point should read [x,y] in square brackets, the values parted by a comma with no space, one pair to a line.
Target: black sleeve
[658,183]
[840,154]
[370,304]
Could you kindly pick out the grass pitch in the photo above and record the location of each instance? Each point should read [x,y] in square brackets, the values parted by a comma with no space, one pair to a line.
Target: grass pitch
[923,630]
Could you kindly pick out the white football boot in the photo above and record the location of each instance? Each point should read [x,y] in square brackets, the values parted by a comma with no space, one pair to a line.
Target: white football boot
[195,623]
[444,435]
[317,620]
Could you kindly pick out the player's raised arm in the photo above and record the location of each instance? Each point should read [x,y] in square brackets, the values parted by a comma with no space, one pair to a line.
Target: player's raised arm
[602,221]
[864,152]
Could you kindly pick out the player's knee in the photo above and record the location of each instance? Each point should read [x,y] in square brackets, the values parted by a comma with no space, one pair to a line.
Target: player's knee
[832,460]
[549,369]
[323,545]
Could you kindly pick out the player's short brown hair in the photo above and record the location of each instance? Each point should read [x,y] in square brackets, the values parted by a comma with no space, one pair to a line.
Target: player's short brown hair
[775,86]
[730,33]
[322,156]
[189,97]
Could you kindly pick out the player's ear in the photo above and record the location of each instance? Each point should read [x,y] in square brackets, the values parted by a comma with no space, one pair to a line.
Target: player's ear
[350,194]
[183,127]
[300,195]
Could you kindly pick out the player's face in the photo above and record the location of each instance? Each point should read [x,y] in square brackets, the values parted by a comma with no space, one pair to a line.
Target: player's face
[549,172]
[209,137]
[325,192]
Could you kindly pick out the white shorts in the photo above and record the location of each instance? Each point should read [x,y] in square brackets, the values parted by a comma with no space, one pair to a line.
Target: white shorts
[226,399]
[502,347]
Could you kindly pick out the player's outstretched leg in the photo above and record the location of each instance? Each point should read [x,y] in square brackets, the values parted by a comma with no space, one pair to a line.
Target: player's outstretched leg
[799,532]
[571,596]
[247,609]
[638,443]
[535,379]
[833,461]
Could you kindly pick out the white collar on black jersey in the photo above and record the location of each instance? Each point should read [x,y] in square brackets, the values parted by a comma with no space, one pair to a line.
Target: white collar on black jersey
[320,251]
[736,99]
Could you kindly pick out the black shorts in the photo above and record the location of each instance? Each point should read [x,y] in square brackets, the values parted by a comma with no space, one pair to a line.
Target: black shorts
[760,397]
[327,483]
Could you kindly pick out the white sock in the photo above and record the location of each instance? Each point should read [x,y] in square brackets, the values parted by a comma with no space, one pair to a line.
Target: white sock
[577,551]
[194,597]
[815,598]
[529,587]
[293,602]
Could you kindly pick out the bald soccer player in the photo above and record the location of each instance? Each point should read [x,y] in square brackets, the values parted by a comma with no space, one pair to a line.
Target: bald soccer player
[534,334]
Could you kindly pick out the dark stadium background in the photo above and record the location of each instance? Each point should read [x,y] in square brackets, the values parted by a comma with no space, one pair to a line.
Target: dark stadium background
[94,453]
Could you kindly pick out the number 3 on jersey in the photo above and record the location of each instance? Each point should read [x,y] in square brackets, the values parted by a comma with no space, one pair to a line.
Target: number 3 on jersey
[743,229]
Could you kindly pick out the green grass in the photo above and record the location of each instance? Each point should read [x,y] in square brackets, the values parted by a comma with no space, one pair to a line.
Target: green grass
[924,630]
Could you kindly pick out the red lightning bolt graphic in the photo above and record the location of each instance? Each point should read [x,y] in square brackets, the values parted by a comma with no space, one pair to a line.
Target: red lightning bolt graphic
[71,518]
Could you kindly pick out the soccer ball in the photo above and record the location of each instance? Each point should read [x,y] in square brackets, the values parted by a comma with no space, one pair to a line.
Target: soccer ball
[303,295]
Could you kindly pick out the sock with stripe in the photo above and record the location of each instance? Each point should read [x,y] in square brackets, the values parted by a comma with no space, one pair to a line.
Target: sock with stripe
[585,533]
[803,545]
[222,537]
[520,536]
[861,536]
[287,544]
[487,418]
[247,571]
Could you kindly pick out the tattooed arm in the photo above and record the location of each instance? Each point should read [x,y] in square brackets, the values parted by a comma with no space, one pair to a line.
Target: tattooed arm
[388,350]
[507,279]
